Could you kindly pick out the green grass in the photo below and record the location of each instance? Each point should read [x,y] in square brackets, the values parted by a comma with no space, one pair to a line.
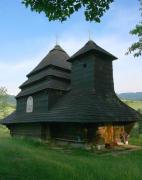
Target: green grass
[136,140]
[9,109]
[25,159]
[134,104]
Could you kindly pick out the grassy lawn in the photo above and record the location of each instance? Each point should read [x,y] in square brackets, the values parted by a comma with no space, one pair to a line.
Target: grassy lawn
[23,159]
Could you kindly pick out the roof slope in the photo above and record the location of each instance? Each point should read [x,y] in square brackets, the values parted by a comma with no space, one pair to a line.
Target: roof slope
[57,57]
[92,46]
[83,107]
[45,84]
[46,73]
[53,72]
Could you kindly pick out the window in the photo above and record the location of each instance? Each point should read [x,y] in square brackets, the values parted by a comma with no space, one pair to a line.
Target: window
[29,107]
[84,65]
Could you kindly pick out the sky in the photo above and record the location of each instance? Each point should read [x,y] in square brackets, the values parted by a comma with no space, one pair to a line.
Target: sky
[26,37]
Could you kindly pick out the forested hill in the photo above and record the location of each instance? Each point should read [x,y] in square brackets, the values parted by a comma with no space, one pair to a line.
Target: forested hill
[11,99]
[131,96]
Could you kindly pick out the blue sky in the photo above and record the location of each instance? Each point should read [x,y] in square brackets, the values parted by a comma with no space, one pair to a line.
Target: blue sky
[26,37]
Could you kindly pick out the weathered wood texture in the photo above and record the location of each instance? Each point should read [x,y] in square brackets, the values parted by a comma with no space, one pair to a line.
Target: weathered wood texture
[103,76]
[82,75]
[40,103]
[26,130]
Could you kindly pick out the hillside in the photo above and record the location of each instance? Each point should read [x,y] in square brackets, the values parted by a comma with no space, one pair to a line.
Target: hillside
[137,105]
[23,159]
[131,96]
[11,104]
[11,99]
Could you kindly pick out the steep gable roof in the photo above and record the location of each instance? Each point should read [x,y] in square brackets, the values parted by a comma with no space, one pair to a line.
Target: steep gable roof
[92,46]
[57,57]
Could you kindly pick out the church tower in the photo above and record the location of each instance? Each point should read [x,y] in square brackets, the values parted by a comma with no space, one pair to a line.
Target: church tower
[92,69]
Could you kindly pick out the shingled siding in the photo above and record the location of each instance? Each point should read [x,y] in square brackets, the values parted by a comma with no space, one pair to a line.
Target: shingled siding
[49,71]
[103,76]
[54,96]
[40,103]
[27,129]
[83,72]
[21,104]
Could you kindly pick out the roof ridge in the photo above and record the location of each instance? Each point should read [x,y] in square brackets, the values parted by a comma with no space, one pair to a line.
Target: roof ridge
[89,46]
[56,56]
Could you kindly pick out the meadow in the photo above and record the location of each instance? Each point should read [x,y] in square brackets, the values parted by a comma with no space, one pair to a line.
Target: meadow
[29,159]
[9,109]
[25,159]
[137,105]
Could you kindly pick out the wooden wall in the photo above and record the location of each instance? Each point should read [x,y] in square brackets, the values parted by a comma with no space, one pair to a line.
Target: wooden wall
[82,75]
[26,130]
[93,72]
[103,76]
[40,103]
[75,132]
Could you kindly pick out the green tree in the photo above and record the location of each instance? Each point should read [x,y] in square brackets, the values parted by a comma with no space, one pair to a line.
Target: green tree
[93,11]
[62,9]
[136,47]
[3,102]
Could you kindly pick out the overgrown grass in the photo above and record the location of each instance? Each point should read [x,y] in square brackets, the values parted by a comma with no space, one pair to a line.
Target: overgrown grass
[136,140]
[22,159]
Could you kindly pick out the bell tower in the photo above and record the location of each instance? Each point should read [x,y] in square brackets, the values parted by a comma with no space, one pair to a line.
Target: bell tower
[92,69]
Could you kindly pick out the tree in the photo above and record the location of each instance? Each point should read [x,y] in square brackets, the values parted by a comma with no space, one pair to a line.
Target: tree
[3,101]
[136,47]
[62,9]
[93,11]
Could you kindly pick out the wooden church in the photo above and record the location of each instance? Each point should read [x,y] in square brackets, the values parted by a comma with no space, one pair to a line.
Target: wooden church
[72,99]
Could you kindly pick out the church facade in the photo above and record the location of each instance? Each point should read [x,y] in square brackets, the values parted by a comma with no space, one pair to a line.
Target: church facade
[72,99]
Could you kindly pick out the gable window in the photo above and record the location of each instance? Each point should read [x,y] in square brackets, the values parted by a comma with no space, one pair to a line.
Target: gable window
[29,107]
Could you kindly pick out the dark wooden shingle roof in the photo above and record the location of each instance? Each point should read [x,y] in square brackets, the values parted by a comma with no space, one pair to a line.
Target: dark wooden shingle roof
[48,72]
[57,57]
[82,107]
[92,46]
[53,72]
[44,84]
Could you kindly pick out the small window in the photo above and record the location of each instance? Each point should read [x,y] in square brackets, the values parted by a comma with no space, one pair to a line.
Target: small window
[84,65]
[29,107]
